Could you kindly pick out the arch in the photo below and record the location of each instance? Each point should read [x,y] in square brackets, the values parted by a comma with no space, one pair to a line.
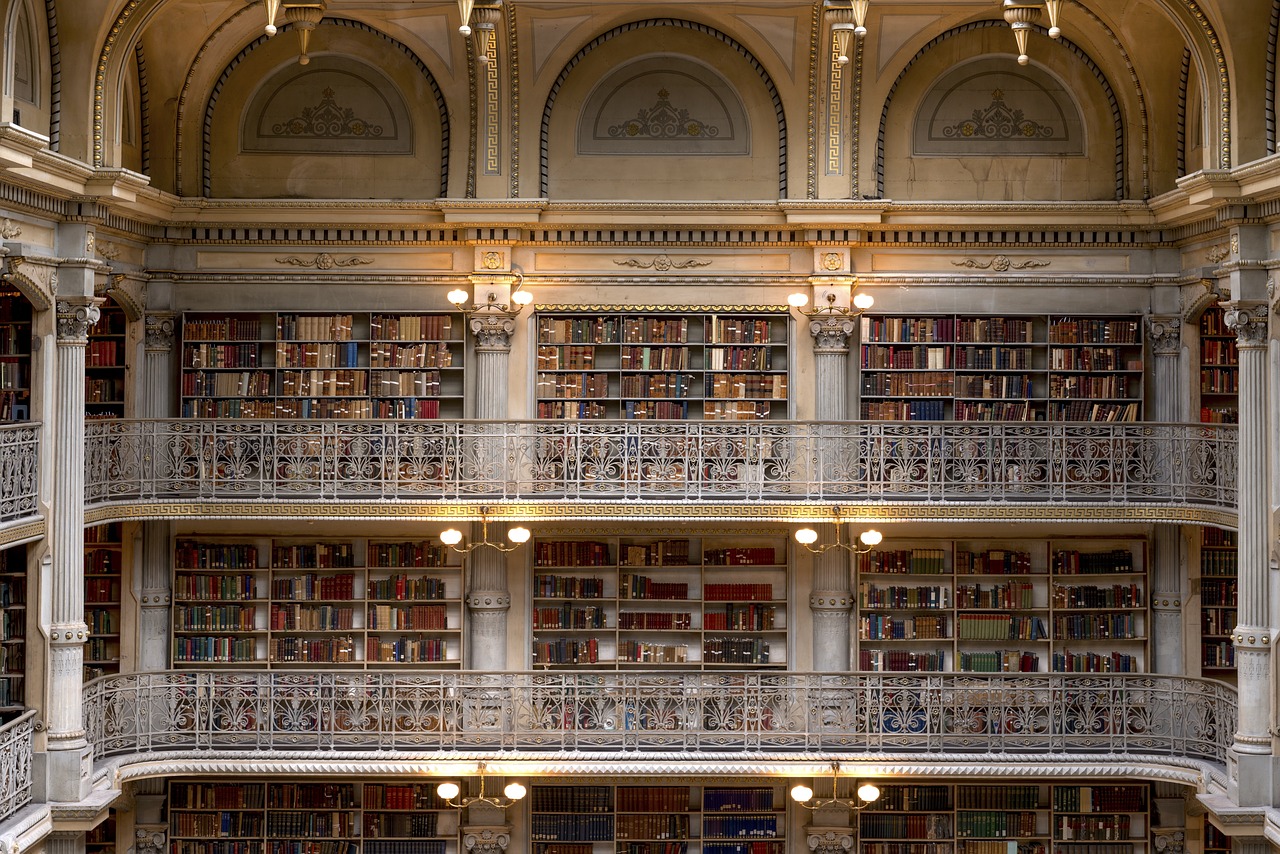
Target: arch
[30,51]
[218,87]
[1272,55]
[598,41]
[1112,101]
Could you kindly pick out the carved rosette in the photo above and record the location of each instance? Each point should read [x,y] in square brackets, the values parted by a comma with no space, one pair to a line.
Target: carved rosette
[493,330]
[830,840]
[75,319]
[159,329]
[1169,841]
[831,334]
[1249,323]
[486,840]
[1165,334]
[150,839]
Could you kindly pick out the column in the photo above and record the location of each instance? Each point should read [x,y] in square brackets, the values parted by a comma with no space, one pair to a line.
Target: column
[68,755]
[1252,635]
[155,594]
[831,601]
[66,842]
[1165,335]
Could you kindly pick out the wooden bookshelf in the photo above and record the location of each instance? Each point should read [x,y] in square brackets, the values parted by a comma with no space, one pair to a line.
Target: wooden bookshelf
[667,365]
[1215,841]
[15,356]
[104,364]
[658,819]
[1001,368]
[290,602]
[1218,598]
[294,365]
[1001,606]
[279,817]
[1219,370]
[102,839]
[103,566]
[654,602]
[13,631]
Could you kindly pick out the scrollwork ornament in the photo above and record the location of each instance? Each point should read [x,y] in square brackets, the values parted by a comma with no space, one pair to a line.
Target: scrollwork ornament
[831,334]
[830,840]
[487,840]
[159,330]
[75,320]
[1250,325]
[150,840]
[493,331]
[1170,841]
[1165,334]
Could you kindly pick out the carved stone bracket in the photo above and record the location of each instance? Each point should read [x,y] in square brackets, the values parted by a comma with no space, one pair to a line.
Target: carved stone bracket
[37,278]
[159,331]
[486,839]
[831,334]
[1249,320]
[130,293]
[493,330]
[1165,333]
[830,840]
[75,317]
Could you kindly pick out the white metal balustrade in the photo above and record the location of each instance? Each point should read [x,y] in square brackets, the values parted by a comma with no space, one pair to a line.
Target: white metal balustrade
[1185,466]
[16,768]
[19,472]
[1166,718]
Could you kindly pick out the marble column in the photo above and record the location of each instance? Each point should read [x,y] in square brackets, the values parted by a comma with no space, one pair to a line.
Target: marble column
[66,842]
[155,594]
[1167,595]
[488,597]
[68,755]
[1252,635]
[831,600]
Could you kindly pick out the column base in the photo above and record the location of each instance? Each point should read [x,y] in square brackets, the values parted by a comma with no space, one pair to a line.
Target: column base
[1253,783]
[67,773]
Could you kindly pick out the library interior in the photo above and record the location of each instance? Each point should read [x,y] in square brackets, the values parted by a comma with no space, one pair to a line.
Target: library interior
[580,427]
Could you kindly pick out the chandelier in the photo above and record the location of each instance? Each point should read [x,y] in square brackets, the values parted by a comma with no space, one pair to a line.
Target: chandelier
[449,791]
[868,793]
[452,536]
[867,540]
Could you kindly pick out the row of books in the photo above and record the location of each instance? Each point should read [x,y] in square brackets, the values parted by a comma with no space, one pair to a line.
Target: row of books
[567,587]
[405,649]
[874,596]
[916,826]
[397,797]
[311,618]
[384,355]
[568,617]
[401,825]
[1225,352]
[214,618]
[735,651]
[632,586]
[1001,661]
[918,561]
[1219,381]
[1096,627]
[654,621]
[414,617]
[346,408]
[220,356]
[745,386]
[641,652]
[313,355]
[738,359]
[999,627]
[1092,359]
[411,327]
[738,592]
[572,357]
[1094,596]
[747,618]
[329,327]
[319,650]
[1104,387]
[218,796]
[976,330]
[1070,562]
[1092,331]
[214,588]
[1012,594]
[406,588]
[1000,386]
[217,824]
[648,358]
[920,384]
[326,795]
[882,627]
[578,330]
[1086,799]
[312,586]
[901,661]
[313,555]
[214,649]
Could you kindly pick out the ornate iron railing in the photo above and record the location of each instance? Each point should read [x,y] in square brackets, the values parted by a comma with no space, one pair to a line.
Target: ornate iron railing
[19,472]
[858,713]
[1187,465]
[16,763]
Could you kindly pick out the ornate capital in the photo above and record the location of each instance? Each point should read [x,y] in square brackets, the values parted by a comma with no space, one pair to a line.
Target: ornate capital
[486,840]
[831,600]
[830,840]
[75,317]
[493,330]
[831,334]
[159,332]
[150,839]
[1249,320]
[1169,841]
[1165,333]
[489,600]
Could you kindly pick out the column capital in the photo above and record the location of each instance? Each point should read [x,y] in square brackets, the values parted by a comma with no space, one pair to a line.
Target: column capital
[76,315]
[159,331]
[1249,320]
[493,329]
[831,334]
[1165,333]
[829,840]
[486,839]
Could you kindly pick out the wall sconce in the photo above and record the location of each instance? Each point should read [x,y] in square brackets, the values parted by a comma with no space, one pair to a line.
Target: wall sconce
[449,790]
[842,28]
[867,540]
[464,8]
[1023,15]
[861,302]
[868,793]
[518,535]
[519,299]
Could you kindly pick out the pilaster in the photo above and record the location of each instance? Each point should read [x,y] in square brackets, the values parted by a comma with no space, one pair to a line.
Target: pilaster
[1167,576]
[830,604]
[155,595]
[488,602]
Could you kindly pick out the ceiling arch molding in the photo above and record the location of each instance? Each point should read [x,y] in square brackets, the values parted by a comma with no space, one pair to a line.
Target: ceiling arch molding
[765,78]
[216,90]
[1113,101]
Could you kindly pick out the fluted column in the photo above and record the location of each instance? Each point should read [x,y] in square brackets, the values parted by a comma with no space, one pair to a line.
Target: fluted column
[830,601]
[1252,635]
[155,594]
[66,842]
[488,598]
[1167,596]
[67,630]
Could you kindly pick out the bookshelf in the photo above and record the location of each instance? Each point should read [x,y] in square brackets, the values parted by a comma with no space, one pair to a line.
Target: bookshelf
[13,631]
[104,364]
[278,817]
[1031,818]
[1001,368]
[103,565]
[1000,606]
[285,601]
[15,356]
[730,365]
[658,819]
[1218,596]
[652,602]
[1215,841]
[102,839]
[1219,370]
[292,365]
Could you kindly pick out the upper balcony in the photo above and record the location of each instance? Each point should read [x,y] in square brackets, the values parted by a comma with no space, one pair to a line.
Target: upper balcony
[942,471]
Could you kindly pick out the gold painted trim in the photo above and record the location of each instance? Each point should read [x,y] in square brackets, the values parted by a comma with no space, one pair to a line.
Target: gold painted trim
[22,533]
[752,309]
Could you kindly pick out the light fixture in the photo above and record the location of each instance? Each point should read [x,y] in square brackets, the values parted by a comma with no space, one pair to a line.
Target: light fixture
[867,540]
[848,18]
[868,793]
[448,791]
[518,299]
[464,8]
[861,302]
[518,535]
[304,17]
